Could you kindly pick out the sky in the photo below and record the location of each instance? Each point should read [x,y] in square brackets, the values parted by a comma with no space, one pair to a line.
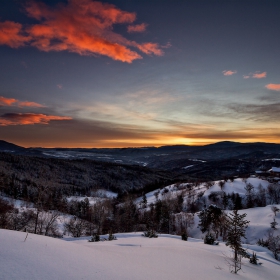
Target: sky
[118,73]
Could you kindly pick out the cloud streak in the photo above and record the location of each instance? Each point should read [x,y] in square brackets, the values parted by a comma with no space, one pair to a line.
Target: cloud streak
[14,102]
[137,28]
[258,112]
[28,119]
[229,72]
[82,26]
[256,75]
[275,87]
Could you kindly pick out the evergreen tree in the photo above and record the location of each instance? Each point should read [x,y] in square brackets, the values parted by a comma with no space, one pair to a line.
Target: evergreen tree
[225,201]
[144,201]
[236,225]
[210,219]
[165,218]
[180,202]
[249,188]
[237,202]
[273,224]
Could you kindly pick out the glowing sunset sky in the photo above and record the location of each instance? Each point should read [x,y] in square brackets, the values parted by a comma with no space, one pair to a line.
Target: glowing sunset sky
[119,73]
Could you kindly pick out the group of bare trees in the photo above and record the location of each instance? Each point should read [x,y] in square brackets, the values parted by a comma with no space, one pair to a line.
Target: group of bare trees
[28,219]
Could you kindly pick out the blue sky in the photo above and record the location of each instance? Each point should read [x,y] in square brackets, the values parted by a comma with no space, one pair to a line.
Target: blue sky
[139,73]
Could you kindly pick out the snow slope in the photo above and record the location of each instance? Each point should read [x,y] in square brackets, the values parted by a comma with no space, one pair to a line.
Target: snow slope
[130,257]
[260,219]
[237,186]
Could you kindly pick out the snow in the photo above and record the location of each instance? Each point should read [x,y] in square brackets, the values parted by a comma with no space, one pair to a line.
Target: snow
[197,160]
[18,203]
[186,167]
[237,186]
[260,219]
[131,256]
[275,169]
[99,195]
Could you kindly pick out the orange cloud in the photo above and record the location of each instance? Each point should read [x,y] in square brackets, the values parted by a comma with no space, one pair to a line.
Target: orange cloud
[14,102]
[137,28]
[150,48]
[11,34]
[28,118]
[29,104]
[229,72]
[82,26]
[273,87]
[6,101]
[258,75]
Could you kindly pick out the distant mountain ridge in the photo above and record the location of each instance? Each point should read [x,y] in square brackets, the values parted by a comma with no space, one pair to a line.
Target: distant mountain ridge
[6,146]
[168,157]
[222,144]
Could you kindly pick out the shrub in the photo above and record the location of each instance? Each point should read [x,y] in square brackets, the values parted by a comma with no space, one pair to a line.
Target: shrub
[94,238]
[184,236]
[150,233]
[263,243]
[254,259]
[209,239]
[111,236]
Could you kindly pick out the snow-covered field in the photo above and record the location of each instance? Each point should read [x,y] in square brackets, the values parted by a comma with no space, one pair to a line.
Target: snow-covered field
[132,256]
[129,257]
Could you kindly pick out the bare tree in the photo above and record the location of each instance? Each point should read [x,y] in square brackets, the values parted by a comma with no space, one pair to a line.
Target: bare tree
[273,191]
[41,191]
[22,220]
[76,227]
[47,223]
[183,222]
[5,211]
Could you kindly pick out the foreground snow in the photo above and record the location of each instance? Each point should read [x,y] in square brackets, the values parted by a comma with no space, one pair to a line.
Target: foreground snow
[130,257]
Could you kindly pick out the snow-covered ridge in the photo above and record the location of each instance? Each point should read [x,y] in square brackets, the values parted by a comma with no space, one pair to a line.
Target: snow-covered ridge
[131,256]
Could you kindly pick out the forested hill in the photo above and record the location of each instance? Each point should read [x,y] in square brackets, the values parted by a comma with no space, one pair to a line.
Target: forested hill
[73,177]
